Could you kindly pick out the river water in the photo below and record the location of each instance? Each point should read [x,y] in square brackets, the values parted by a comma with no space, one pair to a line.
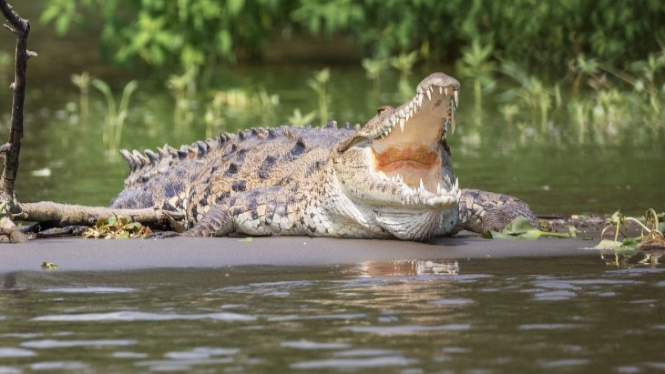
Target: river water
[569,314]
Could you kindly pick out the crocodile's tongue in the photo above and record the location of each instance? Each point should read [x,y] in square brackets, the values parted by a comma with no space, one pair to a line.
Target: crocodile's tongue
[414,152]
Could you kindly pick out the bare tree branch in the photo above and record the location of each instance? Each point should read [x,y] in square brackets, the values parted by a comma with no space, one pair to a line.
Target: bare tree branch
[21,28]
[64,215]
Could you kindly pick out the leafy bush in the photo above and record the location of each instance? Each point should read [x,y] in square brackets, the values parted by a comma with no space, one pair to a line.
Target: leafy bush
[205,32]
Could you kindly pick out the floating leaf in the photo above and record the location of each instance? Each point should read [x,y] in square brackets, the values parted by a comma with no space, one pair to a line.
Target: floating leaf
[246,240]
[521,228]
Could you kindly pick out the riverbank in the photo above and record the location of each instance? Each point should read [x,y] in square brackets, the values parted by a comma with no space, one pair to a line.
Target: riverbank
[77,254]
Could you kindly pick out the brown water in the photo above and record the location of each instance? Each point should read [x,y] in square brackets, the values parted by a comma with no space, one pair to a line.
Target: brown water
[572,315]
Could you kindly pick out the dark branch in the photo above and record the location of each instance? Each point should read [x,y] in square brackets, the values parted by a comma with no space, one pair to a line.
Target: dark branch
[21,28]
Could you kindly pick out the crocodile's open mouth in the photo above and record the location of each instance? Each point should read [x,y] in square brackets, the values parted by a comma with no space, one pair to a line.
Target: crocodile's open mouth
[413,139]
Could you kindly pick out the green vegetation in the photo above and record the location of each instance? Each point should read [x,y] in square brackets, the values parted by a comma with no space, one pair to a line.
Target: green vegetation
[115,114]
[203,33]
[521,228]
[651,237]
[117,228]
[588,72]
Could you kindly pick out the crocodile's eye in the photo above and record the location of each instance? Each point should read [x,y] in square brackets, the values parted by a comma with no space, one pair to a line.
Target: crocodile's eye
[383,109]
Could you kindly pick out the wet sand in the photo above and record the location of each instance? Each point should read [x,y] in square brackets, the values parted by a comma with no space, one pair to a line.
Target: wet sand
[77,254]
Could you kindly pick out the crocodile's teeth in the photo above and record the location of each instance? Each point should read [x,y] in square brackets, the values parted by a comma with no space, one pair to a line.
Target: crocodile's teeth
[408,115]
[429,95]
[438,187]
[456,94]
[422,186]
[446,91]
[441,90]
[401,123]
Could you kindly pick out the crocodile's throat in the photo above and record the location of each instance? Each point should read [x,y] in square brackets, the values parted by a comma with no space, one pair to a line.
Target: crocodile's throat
[412,148]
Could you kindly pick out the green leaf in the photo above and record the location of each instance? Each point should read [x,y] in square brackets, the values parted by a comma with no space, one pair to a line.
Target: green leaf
[123,235]
[521,228]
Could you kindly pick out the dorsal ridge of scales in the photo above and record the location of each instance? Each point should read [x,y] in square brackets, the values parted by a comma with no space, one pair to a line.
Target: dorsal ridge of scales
[149,161]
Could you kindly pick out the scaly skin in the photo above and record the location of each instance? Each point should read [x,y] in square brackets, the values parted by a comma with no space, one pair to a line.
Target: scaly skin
[391,178]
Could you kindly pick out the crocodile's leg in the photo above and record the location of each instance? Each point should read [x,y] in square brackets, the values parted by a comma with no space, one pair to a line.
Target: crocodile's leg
[254,212]
[481,211]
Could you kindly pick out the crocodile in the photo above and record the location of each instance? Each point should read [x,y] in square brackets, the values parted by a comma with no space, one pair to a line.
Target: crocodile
[391,178]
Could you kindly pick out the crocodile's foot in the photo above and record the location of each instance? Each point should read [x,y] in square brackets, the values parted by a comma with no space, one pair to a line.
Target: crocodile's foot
[481,211]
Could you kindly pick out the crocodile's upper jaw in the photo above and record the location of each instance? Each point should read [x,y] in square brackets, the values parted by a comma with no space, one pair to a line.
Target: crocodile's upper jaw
[399,161]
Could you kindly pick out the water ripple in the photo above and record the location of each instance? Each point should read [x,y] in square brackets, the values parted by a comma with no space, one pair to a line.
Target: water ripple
[547,326]
[129,355]
[141,316]
[339,363]
[89,289]
[366,352]
[51,343]
[405,329]
[201,353]
[451,302]
[295,317]
[59,365]
[15,352]
[564,363]
[307,345]
[9,370]
[554,295]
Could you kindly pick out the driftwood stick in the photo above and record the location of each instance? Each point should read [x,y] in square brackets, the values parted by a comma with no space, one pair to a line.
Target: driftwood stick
[61,215]
[21,28]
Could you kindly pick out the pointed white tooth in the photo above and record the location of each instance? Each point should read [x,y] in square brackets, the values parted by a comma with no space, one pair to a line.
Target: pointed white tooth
[393,121]
[456,94]
[401,123]
[441,90]
[438,187]
[429,95]
[446,91]
[422,186]
[420,99]
[408,115]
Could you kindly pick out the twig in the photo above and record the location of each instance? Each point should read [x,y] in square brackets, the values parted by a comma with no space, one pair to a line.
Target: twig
[21,28]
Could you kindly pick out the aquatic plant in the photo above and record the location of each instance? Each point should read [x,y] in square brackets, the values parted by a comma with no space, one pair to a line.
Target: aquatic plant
[83,81]
[298,119]
[319,84]
[476,65]
[521,228]
[183,88]
[652,226]
[532,91]
[115,114]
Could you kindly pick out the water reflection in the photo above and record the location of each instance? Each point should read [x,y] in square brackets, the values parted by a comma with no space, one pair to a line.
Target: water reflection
[489,317]
[403,268]
[631,258]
